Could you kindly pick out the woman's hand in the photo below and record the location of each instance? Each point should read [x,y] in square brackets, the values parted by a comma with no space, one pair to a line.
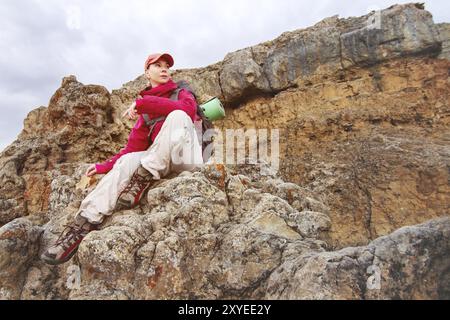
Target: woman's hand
[131,111]
[91,170]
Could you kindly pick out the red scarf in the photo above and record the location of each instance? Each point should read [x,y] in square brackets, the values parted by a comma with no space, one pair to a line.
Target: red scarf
[161,90]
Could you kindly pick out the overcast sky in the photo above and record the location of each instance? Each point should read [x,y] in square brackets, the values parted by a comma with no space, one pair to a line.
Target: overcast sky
[106,42]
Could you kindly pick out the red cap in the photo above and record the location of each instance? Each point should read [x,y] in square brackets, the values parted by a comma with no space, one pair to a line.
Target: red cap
[156,56]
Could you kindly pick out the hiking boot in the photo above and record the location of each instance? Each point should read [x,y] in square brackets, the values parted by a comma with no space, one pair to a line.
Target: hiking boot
[130,197]
[67,243]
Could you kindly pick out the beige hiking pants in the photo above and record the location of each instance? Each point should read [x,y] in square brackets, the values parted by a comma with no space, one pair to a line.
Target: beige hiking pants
[176,148]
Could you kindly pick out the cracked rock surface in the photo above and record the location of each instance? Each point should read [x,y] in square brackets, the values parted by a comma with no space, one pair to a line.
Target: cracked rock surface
[196,239]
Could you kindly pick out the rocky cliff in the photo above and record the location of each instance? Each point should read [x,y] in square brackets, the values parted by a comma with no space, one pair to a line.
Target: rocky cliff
[358,210]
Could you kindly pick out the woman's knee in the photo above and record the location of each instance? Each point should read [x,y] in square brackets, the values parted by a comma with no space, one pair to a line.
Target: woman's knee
[178,114]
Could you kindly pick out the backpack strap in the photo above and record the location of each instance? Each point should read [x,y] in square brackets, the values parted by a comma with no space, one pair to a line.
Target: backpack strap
[151,124]
[182,85]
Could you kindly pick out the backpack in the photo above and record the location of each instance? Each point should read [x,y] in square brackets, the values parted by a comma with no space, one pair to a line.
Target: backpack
[206,123]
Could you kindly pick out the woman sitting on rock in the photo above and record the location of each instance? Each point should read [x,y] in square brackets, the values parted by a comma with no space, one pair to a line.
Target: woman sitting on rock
[169,145]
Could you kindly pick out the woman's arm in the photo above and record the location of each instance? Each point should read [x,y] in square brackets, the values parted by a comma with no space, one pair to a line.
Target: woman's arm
[106,166]
[159,106]
[137,141]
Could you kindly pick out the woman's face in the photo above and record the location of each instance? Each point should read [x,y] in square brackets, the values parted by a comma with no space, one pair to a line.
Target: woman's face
[158,73]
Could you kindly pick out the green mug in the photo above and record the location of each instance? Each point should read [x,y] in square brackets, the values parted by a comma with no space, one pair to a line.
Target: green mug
[213,109]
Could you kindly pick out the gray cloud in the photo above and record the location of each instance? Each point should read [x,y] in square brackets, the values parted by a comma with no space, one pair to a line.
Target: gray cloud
[106,42]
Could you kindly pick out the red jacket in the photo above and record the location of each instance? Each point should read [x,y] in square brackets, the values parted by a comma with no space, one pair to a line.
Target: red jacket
[156,103]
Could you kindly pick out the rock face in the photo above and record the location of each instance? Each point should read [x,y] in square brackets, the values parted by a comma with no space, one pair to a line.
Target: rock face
[76,126]
[398,266]
[444,31]
[358,209]
[197,238]
[378,157]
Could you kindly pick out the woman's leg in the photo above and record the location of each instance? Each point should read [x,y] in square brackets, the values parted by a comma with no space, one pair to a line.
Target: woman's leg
[176,147]
[98,204]
[102,200]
